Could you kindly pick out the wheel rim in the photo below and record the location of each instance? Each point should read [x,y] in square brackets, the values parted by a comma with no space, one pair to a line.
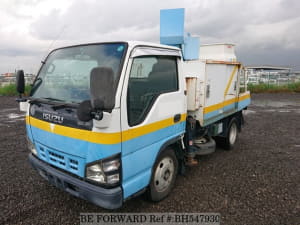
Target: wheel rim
[164,174]
[233,133]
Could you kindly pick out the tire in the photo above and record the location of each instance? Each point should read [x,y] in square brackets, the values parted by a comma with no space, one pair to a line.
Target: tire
[232,135]
[163,175]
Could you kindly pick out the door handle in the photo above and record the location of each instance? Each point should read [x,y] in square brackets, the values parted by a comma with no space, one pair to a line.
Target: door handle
[177,118]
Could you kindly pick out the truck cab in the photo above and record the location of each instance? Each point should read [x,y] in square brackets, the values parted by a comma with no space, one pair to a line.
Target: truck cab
[100,116]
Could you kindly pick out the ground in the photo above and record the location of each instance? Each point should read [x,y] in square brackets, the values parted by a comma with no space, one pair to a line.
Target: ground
[256,183]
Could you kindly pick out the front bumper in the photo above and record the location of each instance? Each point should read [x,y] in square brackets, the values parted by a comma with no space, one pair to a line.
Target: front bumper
[106,198]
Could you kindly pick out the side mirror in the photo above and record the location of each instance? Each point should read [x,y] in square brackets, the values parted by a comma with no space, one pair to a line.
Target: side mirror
[102,88]
[102,95]
[85,112]
[20,82]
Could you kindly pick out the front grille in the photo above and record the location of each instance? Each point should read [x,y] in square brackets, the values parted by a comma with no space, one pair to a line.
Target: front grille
[62,160]
[73,164]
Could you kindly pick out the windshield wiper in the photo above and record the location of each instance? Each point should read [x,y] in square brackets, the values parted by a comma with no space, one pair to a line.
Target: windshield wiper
[38,101]
[56,106]
[48,100]
[35,101]
[60,106]
[54,99]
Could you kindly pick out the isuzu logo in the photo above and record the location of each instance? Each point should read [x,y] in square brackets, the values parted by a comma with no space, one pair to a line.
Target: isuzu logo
[53,118]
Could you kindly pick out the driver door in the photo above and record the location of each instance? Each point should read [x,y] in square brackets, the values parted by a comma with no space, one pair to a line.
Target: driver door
[152,113]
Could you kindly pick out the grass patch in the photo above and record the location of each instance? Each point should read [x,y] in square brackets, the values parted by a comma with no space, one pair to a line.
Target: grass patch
[272,88]
[11,90]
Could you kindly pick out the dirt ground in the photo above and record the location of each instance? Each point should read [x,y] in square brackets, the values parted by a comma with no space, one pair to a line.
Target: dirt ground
[256,183]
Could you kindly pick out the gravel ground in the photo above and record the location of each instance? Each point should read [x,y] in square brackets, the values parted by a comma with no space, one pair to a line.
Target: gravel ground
[256,183]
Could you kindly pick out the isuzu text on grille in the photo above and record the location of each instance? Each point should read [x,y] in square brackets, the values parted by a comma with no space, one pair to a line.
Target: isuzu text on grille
[53,118]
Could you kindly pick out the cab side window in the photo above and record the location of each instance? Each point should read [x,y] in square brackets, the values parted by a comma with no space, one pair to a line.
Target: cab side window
[149,77]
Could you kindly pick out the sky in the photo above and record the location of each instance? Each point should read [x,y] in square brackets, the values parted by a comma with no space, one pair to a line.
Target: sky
[265,32]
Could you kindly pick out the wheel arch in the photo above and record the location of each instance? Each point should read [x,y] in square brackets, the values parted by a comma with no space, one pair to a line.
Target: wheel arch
[172,145]
[175,144]
[238,116]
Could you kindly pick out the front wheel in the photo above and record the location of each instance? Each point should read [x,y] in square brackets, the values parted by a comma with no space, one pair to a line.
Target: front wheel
[163,175]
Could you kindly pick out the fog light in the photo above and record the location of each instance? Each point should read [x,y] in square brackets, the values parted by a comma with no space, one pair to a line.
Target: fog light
[31,146]
[95,173]
[33,150]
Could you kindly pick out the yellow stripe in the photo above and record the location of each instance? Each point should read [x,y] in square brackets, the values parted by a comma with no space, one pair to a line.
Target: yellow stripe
[27,119]
[85,135]
[101,138]
[230,79]
[222,62]
[243,97]
[225,103]
[149,128]
[213,107]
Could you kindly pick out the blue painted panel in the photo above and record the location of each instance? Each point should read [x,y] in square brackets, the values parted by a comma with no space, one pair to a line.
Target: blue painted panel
[191,48]
[136,183]
[139,156]
[83,149]
[28,132]
[137,169]
[68,162]
[244,103]
[172,26]
[230,107]
[214,116]
[148,139]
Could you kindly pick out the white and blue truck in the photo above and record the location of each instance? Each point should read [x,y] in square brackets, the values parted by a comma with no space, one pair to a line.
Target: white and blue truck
[108,121]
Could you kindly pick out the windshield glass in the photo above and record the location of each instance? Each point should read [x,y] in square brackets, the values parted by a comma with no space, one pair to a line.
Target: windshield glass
[65,76]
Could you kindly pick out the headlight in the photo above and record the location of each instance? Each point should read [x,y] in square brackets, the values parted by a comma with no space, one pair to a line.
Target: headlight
[111,165]
[31,146]
[95,173]
[105,171]
[112,179]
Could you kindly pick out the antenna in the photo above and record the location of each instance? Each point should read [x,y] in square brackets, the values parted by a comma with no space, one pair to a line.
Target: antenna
[53,41]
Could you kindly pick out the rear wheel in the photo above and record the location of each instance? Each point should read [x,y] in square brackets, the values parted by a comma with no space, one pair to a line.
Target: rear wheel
[229,140]
[163,175]
[232,135]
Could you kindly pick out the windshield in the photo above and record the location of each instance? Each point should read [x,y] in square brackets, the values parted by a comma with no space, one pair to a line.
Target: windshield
[65,76]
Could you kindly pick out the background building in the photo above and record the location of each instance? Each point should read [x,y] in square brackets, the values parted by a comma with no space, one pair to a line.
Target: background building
[10,78]
[271,75]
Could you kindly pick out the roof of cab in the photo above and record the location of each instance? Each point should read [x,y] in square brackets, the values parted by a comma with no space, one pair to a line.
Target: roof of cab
[131,44]
[150,44]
